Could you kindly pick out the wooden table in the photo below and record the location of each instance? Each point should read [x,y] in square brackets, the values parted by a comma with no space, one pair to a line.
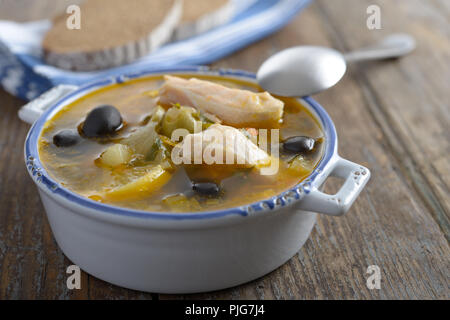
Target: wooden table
[392,117]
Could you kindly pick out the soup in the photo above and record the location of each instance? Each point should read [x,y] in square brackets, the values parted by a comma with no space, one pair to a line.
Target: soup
[181,144]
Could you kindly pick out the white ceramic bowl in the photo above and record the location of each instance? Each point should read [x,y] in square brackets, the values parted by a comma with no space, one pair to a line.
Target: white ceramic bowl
[192,252]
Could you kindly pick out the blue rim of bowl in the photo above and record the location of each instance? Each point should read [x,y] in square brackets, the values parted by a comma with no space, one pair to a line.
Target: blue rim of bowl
[296,193]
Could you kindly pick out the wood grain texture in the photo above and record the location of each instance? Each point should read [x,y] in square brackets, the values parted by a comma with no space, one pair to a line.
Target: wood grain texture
[392,117]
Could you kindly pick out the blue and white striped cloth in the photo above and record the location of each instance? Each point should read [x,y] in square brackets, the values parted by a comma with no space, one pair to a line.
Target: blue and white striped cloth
[24,74]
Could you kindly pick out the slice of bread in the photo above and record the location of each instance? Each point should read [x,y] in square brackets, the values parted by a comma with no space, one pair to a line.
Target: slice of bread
[113,33]
[202,15]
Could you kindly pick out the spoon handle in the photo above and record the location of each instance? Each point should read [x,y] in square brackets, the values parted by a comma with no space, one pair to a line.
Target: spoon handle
[393,46]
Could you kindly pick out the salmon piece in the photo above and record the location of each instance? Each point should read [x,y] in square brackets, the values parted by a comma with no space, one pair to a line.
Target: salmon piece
[218,145]
[235,107]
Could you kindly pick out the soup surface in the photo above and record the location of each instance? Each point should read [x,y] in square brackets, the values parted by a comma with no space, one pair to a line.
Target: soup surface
[127,160]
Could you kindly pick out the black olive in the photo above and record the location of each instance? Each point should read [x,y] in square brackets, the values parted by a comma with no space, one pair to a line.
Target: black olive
[206,188]
[66,138]
[102,121]
[299,144]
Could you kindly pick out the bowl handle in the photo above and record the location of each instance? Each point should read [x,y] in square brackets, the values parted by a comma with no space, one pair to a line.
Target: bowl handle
[355,176]
[33,109]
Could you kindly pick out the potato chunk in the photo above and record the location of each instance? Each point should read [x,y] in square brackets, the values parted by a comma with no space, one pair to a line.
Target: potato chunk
[141,187]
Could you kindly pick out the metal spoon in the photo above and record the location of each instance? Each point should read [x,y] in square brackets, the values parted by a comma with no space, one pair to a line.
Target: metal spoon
[305,70]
